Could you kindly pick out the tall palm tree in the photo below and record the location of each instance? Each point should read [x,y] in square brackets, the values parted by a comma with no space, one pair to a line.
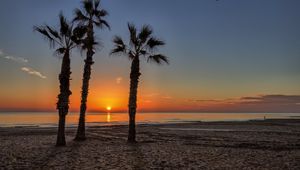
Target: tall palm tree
[63,40]
[91,15]
[140,44]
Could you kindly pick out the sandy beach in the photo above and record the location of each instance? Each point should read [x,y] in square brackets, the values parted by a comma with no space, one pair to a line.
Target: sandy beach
[269,144]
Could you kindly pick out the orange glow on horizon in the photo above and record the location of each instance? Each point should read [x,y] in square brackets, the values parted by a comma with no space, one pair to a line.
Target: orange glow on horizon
[105,96]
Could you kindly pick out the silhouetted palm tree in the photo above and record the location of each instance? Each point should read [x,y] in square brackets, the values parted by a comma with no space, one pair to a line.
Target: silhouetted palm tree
[140,44]
[66,38]
[90,15]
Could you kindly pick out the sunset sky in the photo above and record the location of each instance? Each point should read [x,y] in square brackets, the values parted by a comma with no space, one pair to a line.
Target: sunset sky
[225,56]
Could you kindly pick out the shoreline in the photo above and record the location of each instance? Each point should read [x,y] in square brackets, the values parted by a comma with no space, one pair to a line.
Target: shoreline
[269,144]
[88,124]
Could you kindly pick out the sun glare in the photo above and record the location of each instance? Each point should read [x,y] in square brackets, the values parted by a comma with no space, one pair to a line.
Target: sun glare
[108,108]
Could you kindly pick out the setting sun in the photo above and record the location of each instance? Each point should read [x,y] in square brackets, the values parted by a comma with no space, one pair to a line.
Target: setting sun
[108,108]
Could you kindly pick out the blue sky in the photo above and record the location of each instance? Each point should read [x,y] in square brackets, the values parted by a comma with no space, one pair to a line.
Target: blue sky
[218,49]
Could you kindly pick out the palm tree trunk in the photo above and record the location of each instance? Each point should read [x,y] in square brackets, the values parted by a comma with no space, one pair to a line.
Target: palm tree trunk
[84,94]
[63,98]
[134,80]
[85,84]
[61,140]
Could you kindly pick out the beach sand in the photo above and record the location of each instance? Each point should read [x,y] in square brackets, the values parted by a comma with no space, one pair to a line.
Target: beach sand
[269,144]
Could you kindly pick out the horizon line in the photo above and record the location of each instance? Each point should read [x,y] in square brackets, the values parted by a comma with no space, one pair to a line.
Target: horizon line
[157,111]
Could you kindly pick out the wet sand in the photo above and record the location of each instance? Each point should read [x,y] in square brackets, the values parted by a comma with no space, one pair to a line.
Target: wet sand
[269,144]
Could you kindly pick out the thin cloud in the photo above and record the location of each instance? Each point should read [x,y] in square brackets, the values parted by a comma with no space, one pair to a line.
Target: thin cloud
[24,62]
[228,101]
[152,95]
[166,97]
[205,100]
[271,99]
[31,71]
[260,103]
[158,95]
[16,59]
[13,58]
[119,80]
[261,99]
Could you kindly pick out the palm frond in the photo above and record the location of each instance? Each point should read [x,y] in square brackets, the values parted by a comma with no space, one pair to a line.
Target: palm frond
[53,32]
[88,6]
[100,23]
[120,47]
[101,13]
[83,46]
[142,44]
[79,16]
[79,31]
[96,43]
[96,4]
[143,52]
[118,41]
[132,30]
[86,42]
[158,58]
[64,26]
[60,51]
[146,31]
[44,32]
[153,42]
[131,55]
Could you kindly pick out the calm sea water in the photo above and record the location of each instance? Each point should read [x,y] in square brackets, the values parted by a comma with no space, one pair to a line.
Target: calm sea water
[49,119]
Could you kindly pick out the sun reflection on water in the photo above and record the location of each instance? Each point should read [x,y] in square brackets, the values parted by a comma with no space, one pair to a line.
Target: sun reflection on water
[108,117]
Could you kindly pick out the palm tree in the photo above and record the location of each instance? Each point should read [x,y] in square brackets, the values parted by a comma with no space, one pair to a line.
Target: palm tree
[90,15]
[66,38]
[140,44]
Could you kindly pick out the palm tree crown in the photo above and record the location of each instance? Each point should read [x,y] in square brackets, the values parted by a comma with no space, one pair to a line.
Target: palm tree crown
[91,14]
[142,43]
[65,38]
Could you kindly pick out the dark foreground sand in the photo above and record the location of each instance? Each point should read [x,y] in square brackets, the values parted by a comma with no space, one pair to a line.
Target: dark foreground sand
[270,144]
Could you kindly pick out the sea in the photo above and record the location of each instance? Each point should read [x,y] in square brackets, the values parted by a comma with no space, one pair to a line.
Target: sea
[50,119]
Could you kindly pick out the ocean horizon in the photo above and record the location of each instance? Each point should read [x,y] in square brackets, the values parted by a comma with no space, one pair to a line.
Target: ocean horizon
[50,119]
